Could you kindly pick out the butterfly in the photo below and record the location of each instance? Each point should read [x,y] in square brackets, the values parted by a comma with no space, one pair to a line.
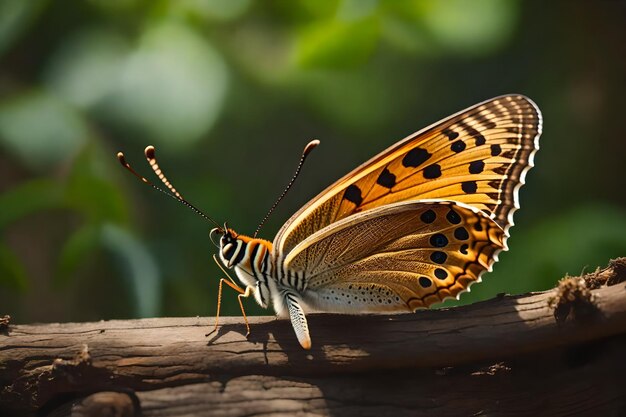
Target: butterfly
[415,225]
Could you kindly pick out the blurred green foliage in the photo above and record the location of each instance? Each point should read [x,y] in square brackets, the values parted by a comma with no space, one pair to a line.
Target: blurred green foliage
[230,90]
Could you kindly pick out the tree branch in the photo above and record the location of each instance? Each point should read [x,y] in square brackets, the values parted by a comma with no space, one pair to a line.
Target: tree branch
[153,360]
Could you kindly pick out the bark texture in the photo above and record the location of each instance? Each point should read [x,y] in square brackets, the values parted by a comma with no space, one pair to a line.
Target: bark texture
[558,352]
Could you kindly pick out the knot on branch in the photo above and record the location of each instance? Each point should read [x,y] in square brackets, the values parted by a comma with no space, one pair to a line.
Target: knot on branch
[618,268]
[574,295]
[611,275]
[575,298]
[82,359]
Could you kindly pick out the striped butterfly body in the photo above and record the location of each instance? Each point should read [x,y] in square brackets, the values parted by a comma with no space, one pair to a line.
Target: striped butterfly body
[417,224]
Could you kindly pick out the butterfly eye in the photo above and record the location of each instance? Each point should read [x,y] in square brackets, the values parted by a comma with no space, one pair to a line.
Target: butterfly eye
[227,238]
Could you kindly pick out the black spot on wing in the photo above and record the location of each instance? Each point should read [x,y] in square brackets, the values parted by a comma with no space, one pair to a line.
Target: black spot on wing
[458,146]
[496,150]
[416,157]
[451,134]
[453,217]
[438,257]
[469,187]
[476,167]
[441,273]
[353,195]
[438,240]
[460,233]
[386,179]
[425,282]
[428,216]
[432,171]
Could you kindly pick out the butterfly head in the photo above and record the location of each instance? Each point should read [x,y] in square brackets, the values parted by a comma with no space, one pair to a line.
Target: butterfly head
[239,250]
[228,243]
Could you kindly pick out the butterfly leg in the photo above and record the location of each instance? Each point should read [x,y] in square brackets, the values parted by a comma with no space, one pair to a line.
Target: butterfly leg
[241,292]
[246,294]
[232,284]
[298,320]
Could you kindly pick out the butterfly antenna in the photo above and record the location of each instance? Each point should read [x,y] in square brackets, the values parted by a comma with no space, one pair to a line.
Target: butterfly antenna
[307,150]
[151,157]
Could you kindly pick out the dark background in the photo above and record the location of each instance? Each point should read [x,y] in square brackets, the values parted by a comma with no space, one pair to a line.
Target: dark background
[230,91]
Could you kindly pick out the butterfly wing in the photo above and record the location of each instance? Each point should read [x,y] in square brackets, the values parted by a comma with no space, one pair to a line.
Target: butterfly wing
[478,156]
[398,257]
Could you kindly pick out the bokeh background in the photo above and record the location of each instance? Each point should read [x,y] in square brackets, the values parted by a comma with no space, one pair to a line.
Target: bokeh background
[230,91]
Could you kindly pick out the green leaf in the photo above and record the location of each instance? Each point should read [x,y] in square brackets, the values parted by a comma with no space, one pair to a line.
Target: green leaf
[12,273]
[315,8]
[346,97]
[337,43]
[171,88]
[96,198]
[210,9]
[40,129]
[408,36]
[75,252]
[29,197]
[15,18]
[137,266]
[471,27]
[90,190]
[86,67]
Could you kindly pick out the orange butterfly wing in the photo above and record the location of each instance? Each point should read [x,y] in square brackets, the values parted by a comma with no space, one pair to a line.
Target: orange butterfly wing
[478,156]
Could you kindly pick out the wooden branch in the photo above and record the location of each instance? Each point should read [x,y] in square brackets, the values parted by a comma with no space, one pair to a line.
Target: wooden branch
[458,361]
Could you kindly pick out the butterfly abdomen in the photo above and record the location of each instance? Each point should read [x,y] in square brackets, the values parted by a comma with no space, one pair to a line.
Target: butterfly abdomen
[353,297]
